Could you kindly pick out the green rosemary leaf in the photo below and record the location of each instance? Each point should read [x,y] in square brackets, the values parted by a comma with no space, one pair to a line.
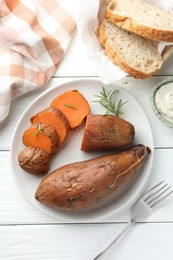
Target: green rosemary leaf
[119,106]
[106,99]
[70,106]
[40,131]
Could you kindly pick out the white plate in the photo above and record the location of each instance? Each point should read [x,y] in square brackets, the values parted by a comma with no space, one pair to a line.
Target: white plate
[70,150]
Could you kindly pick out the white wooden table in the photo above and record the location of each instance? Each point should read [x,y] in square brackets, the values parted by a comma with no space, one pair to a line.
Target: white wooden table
[27,233]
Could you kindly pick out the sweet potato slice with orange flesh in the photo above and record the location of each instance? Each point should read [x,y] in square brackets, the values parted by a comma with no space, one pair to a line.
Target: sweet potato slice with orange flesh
[42,136]
[73,105]
[106,132]
[53,117]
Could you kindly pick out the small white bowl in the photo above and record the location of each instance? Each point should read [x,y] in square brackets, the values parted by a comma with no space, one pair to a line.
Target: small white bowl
[152,98]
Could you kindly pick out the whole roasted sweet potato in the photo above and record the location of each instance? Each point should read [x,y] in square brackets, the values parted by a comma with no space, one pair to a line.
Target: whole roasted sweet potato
[34,160]
[106,132]
[82,184]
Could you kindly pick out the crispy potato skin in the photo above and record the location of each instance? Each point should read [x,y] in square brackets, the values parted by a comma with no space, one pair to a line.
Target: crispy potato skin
[106,132]
[34,160]
[83,184]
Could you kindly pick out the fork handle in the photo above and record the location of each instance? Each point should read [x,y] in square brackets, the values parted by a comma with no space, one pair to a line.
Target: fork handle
[115,241]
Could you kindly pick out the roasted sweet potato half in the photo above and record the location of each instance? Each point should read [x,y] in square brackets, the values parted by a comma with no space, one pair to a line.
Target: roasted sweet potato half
[106,132]
[34,160]
[83,184]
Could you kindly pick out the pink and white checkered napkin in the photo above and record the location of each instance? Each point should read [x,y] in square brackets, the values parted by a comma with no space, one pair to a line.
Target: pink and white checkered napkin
[34,36]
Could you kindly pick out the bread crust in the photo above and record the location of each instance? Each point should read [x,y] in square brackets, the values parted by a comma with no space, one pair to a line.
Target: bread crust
[140,29]
[117,59]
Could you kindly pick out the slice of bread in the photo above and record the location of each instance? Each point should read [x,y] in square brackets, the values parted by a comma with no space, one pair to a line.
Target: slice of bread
[142,18]
[134,54]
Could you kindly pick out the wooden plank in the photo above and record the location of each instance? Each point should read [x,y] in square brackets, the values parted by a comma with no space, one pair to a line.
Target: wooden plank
[15,209]
[145,241]
[76,242]
[76,62]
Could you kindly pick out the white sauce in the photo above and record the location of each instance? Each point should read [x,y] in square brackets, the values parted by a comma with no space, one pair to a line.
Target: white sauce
[164,101]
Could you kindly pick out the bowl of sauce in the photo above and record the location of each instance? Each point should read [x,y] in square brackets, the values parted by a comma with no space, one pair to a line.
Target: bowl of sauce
[162,101]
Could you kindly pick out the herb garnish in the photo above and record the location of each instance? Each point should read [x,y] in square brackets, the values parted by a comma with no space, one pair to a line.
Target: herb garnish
[40,131]
[106,99]
[70,106]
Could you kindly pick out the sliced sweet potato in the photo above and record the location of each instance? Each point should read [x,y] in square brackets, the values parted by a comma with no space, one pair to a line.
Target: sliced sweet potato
[53,117]
[106,132]
[42,136]
[73,105]
[34,160]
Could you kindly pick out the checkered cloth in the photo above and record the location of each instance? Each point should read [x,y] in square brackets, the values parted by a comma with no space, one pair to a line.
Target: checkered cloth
[34,36]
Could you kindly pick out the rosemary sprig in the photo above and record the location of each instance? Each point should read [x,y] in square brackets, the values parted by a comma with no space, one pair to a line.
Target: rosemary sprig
[70,106]
[106,99]
[40,131]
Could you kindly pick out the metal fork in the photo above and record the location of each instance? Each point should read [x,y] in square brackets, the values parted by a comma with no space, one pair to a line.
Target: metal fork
[146,205]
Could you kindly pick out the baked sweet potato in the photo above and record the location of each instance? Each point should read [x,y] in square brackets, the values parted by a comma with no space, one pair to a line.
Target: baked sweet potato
[83,184]
[42,136]
[106,132]
[34,160]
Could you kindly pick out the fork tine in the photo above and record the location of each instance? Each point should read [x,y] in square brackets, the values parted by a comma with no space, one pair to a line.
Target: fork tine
[155,195]
[155,191]
[159,201]
[159,195]
[152,189]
